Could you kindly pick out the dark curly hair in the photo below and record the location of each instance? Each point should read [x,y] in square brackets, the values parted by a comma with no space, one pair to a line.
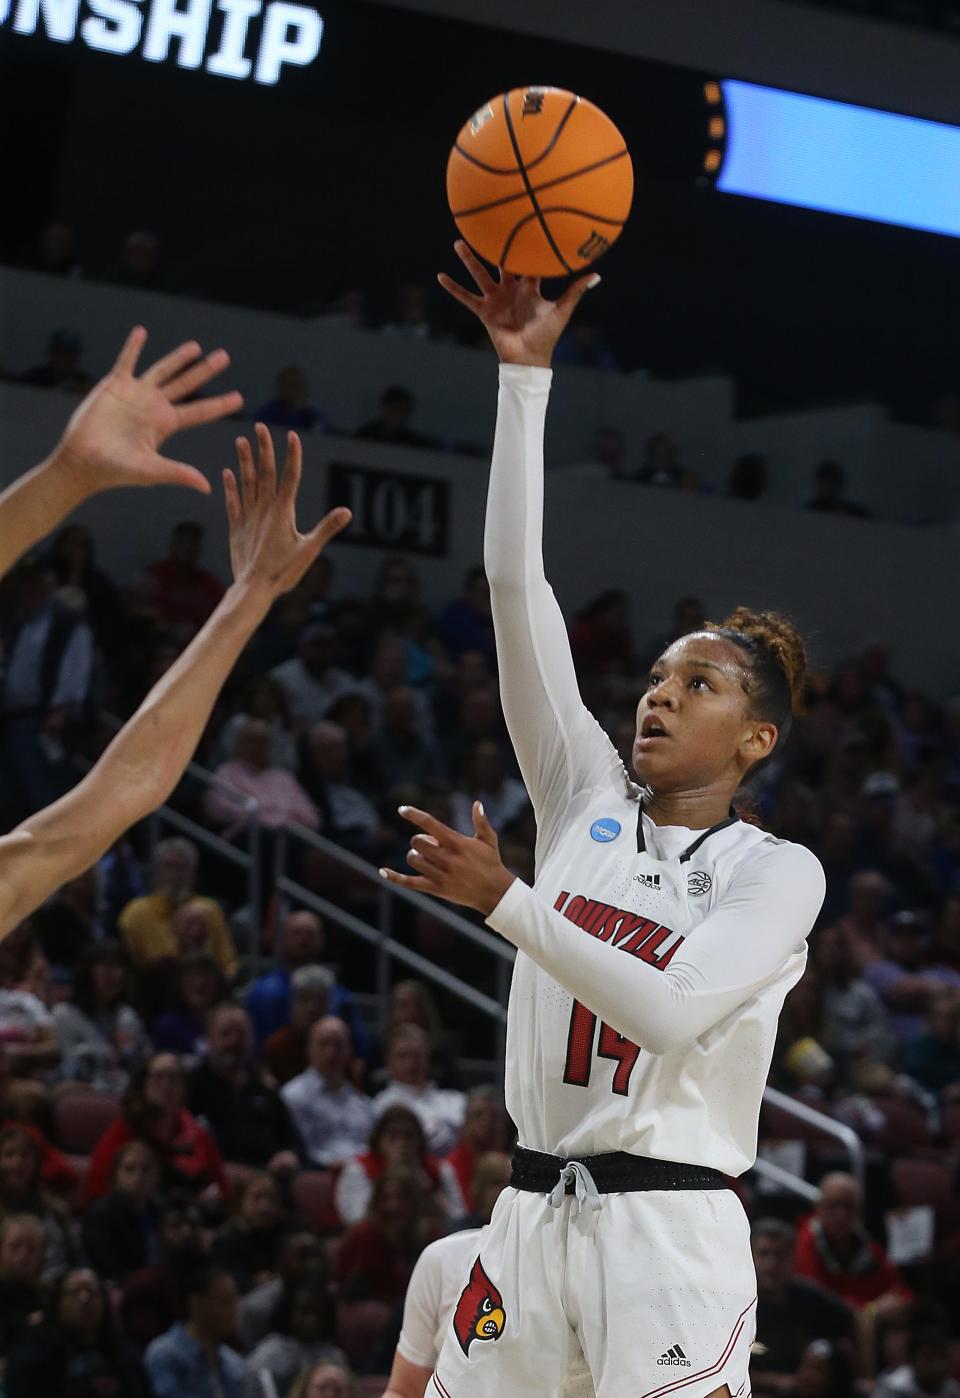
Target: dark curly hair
[776,663]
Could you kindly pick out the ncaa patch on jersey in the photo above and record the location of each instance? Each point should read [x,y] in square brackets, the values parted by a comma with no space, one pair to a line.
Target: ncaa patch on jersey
[699,883]
[605,830]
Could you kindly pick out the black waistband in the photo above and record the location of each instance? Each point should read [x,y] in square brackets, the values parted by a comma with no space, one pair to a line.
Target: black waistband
[614,1172]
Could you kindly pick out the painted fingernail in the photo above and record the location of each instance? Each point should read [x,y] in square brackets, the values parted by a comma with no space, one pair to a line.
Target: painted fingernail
[481,810]
[429,840]
[594,280]
[403,809]
[383,873]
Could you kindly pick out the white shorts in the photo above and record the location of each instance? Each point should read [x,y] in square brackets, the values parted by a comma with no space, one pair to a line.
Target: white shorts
[651,1296]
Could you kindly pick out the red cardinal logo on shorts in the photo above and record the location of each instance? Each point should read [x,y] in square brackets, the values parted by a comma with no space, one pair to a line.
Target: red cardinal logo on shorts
[480,1314]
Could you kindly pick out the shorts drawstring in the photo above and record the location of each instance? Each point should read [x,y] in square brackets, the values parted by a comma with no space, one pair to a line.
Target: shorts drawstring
[584,1188]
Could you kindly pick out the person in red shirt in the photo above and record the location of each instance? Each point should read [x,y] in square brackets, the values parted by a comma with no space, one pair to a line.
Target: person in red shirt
[153,1111]
[835,1250]
[482,1131]
[377,1255]
[183,593]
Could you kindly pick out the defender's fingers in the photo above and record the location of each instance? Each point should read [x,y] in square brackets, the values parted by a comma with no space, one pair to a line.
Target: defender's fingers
[292,469]
[266,463]
[328,528]
[460,293]
[126,361]
[172,363]
[474,266]
[231,498]
[574,293]
[209,410]
[248,474]
[187,382]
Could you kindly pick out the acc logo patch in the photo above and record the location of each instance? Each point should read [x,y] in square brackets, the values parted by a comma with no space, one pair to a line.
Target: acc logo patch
[603,831]
[699,883]
[480,1313]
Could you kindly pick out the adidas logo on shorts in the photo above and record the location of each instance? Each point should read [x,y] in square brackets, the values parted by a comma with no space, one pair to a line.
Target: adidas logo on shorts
[675,1356]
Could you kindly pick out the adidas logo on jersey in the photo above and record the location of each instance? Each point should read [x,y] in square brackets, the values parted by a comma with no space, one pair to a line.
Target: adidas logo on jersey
[675,1356]
[647,880]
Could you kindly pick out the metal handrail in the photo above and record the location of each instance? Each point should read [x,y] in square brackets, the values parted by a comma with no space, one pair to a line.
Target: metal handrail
[795,1184]
[845,1134]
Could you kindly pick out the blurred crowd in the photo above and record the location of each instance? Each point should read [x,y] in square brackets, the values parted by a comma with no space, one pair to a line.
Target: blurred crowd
[224,1150]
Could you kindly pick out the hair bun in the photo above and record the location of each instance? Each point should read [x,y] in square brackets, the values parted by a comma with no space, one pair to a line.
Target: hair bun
[777,635]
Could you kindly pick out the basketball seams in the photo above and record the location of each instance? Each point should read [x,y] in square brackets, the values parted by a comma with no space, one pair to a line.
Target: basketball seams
[533,198]
[512,169]
[539,188]
[555,209]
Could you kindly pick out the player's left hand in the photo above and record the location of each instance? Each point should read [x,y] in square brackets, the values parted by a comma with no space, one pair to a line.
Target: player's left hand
[115,435]
[463,869]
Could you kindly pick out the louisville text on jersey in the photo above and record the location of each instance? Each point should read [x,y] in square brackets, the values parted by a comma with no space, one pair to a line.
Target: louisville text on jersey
[630,932]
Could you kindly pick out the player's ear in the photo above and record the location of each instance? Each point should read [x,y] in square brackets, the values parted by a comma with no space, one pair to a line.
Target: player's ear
[760,742]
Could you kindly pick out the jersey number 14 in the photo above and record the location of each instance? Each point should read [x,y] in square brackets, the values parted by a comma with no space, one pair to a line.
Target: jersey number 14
[580,1039]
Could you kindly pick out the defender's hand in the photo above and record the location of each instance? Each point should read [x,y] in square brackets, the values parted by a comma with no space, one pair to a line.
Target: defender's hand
[114,436]
[265,545]
[452,866]
[522,324]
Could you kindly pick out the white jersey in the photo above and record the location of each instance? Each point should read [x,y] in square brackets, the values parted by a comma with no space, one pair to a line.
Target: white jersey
[434,1289]
[654,960]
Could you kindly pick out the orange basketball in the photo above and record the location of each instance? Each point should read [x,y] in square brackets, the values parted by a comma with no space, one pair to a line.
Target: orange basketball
[540,182]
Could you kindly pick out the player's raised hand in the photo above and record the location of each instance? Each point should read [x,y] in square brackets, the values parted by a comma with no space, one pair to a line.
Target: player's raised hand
[265,544]
[523,325]
[115,435]
[462,869]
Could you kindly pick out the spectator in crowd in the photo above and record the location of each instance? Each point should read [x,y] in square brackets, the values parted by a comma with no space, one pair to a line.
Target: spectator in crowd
[183,593]
[48,649]
[440,1110]
[310,680]
[485,779]
[825,1372]
[76,1351]
[81,584]
[661,465]
[601,638]
[354,714]
[194,1356]
[490,1178]
[56,251]
[291,406]
[392,423]
[583,346]
[789,1309]
[306,1339]
[152,1297]
[61,369]
[139,264]
[153,1110]
[120,1230]
[269,1001]
[22,1191]
[182,1030]
[324,1381]
[903,980]
[70,921]
[23,1243]
[829,492]
[406,754]
[856,1024]
[246,1114]
[466,623]
[389,670]
[748,478]
[101,1037]
[610,452]
[688,615]
[926,1372]
[265,700]
[395,600]
[932,1059]
[483,1131]
[397,1139]
[411,319]
[835,1251]
[299,1260]
[334,1119]
[376,1255]
[285,1052]
[412,1002]
[249,776]
[348,816]
[478,718]
[147,923]
[866,924]
[26,1024]
[247,1243]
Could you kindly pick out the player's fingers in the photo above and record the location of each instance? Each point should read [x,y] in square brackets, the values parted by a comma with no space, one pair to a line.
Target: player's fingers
[133,345]
[474,266]
[460,293]
[231,498]
[482,828]
[575,292]
[415,881]
[172,363]
[168,472]
[266,463]
[441,833]
[248,474]
[181,385]
[209,409]
[292,469]
[328,528]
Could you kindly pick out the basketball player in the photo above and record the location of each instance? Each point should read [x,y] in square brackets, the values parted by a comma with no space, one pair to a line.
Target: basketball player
[113,439]
[655,952]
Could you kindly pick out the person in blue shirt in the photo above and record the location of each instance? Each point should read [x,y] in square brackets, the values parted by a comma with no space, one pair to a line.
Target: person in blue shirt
[269,1001]
[193,1356]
